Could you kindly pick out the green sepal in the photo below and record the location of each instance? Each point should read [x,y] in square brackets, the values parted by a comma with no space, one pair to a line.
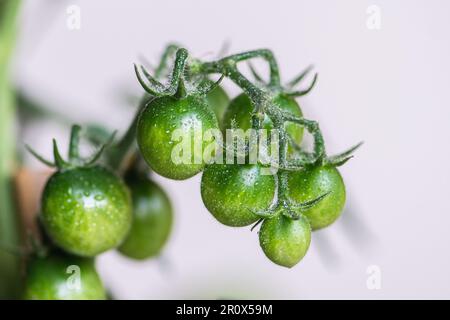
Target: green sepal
[255,73]
[150,88]
[96,156]
[341,158]
[300,77]
[59,161]
[176,86]
[39,157]
[206,86]
[301,93]
[257,223]
[74,159]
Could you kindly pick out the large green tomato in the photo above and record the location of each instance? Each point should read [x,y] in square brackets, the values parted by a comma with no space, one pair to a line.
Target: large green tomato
[285,241]
[239,115]
[232,192]
[86,211]
[313,182]
[152,220]
[163,117]
[63,277]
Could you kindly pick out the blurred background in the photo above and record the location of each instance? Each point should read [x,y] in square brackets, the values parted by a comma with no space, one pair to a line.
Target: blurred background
[384,77]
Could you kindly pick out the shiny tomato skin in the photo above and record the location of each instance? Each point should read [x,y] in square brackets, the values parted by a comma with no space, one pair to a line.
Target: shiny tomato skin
[218,101]
[285,241]
[231,192]
[152,219]
[86,211]
[50,278]
[165,116]
[313,182]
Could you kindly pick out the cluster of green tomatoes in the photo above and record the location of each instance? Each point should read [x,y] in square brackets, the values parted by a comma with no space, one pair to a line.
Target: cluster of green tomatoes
[87,209]
[107,201]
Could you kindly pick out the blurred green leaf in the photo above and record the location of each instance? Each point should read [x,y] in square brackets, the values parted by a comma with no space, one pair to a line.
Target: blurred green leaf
[9,228]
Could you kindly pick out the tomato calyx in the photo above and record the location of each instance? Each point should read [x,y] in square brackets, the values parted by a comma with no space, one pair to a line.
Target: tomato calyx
[341,158]
[287,89]
[74,158]
[307,159]
[178,87]
[288,208]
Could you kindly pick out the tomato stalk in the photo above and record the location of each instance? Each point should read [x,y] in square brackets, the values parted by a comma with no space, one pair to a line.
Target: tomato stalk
[162,66]
[262,101]
[117,153]
[260,96]
[285,238]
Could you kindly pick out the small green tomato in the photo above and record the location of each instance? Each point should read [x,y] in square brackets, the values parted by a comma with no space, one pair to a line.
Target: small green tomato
[285,241]
[218,100]
[59,276]
[313,182]
[232,192]
[152,219]
[86,210]
[162,126]
[239,115]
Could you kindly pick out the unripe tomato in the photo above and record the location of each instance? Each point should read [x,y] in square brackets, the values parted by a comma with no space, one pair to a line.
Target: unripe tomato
[239,114]
[285,241]
[159,120]
[231,192]
[218,100]
[86,210]
[63,277]
[313,182]
[152,219]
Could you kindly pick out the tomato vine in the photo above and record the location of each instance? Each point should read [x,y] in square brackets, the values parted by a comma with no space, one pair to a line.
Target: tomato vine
[262,96]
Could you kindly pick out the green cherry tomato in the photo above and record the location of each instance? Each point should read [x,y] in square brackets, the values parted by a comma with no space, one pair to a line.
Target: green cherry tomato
[63,277]
[239,115]
[86,211]
[230,192]
[313,182]
[218,100]
[186,117]
[285,241]
[152,219]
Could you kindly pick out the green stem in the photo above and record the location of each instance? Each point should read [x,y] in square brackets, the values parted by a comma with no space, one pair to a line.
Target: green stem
[9,226]
[116,154]
[162,66]
[261,53]
[74,143]
[227,67]
[262,101]
[176,81]
[313,128]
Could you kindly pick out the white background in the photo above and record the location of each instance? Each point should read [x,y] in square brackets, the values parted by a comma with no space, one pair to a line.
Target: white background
[388,87]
